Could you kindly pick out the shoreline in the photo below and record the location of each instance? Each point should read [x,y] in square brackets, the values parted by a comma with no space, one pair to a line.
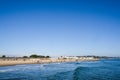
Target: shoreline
[21,61]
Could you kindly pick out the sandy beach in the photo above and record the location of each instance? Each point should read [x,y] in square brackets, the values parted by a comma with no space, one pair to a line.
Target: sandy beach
[18,61]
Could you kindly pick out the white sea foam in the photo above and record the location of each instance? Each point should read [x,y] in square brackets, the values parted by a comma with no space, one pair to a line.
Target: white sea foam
[8,70]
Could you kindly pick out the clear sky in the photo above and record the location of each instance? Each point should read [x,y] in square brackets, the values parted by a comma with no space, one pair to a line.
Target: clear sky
[60,27]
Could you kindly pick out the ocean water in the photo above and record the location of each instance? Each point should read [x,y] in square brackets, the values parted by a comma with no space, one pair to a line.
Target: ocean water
[97,70]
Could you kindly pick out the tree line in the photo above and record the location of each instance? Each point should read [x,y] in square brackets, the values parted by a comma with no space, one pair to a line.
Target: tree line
[31,56]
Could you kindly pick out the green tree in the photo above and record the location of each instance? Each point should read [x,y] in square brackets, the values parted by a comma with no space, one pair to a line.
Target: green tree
[33,56]
[3,56]
[47,56]
[25,56]
[38,56]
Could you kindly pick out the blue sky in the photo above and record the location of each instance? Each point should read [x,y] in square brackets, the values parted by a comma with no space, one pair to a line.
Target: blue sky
[60,27]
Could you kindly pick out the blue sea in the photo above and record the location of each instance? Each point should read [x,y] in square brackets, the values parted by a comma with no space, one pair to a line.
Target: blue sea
[105,69]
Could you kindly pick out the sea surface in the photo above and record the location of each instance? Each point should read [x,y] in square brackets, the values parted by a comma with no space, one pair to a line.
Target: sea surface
[97,70]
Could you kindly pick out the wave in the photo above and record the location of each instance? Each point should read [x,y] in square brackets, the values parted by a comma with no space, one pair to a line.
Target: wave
[77,72]
[96,73]
[14,79]
[61,76]
[8,70]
